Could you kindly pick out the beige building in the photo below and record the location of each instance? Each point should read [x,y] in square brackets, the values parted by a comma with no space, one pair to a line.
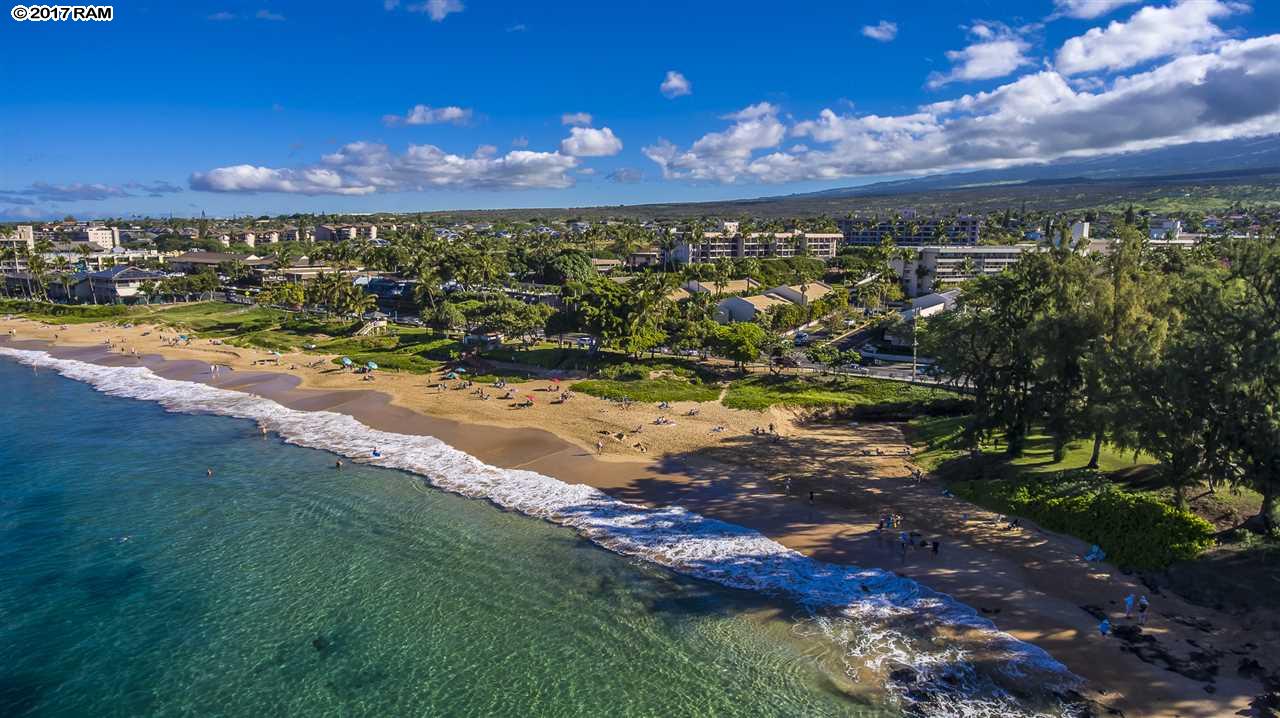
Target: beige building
[105,237]
[20,238]
[933,269]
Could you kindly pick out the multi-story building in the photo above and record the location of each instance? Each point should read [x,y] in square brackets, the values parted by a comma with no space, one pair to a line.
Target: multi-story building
[105,237]
[338,233]
[20,239]
[294,234]
[730,244]
[912,232]
[932,269]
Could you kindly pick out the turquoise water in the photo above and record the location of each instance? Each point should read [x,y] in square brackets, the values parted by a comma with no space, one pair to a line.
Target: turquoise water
[132,584]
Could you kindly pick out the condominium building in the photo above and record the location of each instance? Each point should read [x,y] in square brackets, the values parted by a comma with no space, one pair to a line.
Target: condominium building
[932,269]
[912,232]
[105,237]
[730,244]
[20,239]
[337,233]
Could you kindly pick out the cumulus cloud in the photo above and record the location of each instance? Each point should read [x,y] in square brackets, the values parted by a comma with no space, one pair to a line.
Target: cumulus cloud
[268,15]
[437,10]
[576,118]
[884,31]
[426,115]
[80,192]
[997,53]
[722,156]
[590,142]
[1087,9]
[1215,95]
[675,85]
[1152,32]
[362,168]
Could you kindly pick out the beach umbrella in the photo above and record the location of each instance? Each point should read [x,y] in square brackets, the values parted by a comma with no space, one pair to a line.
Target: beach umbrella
[461,370]
[451,375]
[346,361]
[371,365]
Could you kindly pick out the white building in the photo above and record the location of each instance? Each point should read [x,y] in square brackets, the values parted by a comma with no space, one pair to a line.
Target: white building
[730,244]
[105,237]
[1079,232]
[933,268]
[21,238]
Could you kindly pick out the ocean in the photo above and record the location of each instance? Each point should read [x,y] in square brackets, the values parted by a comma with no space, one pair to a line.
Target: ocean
[131,583]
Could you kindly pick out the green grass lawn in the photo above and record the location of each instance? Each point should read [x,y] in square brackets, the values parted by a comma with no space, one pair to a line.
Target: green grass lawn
[216,319]
[648,390]
[939,440]
[63,313]
[763,391]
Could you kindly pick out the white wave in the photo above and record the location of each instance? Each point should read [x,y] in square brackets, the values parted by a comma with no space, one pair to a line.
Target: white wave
[881,619]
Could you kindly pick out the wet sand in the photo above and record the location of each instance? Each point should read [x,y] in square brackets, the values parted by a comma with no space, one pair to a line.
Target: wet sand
[1029,581]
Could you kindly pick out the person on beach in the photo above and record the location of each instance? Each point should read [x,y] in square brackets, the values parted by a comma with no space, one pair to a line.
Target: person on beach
[1105,627]
[1128,605]
[1143,605]
[599,447]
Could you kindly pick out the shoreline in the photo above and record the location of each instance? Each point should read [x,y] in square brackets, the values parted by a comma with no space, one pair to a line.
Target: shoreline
[1037,600]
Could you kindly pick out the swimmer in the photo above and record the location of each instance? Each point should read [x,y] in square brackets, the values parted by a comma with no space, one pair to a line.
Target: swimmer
[209,472]
[338,465]
[377,454]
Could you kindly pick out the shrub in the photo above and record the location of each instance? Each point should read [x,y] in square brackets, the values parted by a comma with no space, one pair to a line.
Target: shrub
[1136,530]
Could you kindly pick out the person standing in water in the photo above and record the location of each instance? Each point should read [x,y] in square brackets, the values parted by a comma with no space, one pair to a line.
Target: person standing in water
[1143,605]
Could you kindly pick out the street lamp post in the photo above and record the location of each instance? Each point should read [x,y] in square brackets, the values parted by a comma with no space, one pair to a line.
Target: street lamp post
[915,342]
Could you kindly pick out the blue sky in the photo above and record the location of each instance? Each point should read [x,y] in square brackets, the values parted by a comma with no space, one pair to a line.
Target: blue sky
[269,107]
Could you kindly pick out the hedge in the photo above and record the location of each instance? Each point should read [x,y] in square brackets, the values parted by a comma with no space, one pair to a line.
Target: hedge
[1136,530]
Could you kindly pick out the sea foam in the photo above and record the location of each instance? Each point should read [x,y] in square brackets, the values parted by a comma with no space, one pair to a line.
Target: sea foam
[885,623]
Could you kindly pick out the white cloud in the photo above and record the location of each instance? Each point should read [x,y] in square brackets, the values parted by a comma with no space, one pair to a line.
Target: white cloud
[884,31]
[437,10]
[1221,94]
[1088,9]
[268,15]
[590,142]
[222,16]
[362,168]
[1152,32]
[998,52]
[521,141]
[82,192]
[676,85]
[576,118]
[486,151]
[390,5]
[426,115]
[722,156]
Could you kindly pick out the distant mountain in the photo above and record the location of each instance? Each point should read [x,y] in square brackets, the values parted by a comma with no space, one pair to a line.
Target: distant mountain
[1202,160]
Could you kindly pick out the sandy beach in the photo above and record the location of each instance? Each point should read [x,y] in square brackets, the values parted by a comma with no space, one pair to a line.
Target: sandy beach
[1030,582]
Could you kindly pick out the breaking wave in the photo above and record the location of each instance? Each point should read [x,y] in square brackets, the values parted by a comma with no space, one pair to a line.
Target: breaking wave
[937,656]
